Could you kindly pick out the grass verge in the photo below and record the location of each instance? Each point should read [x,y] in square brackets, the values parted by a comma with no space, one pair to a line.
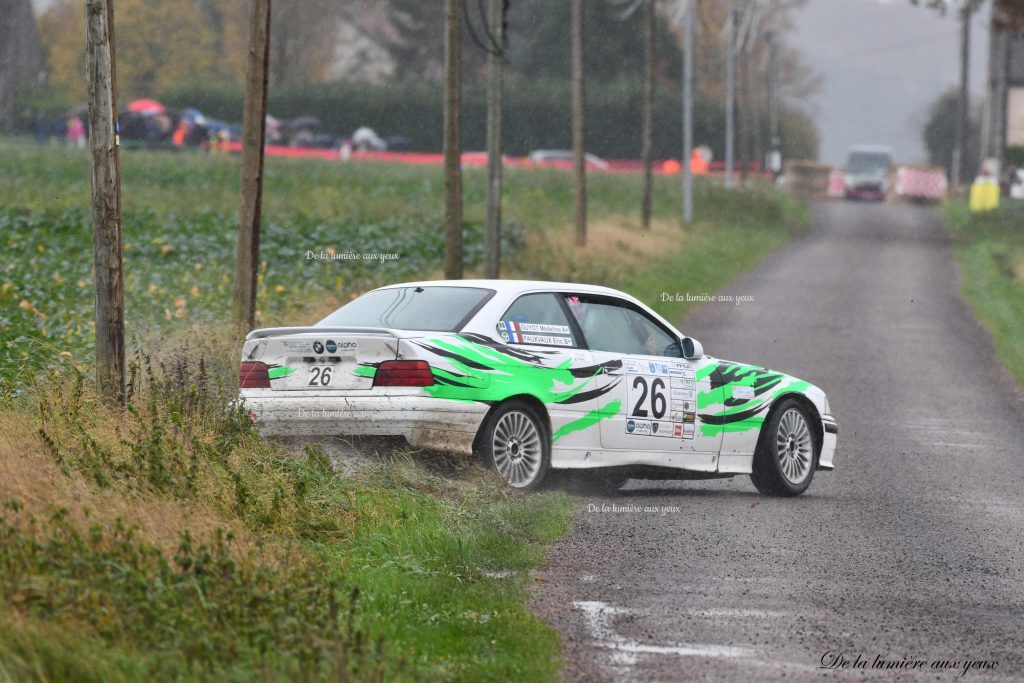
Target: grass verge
[169,541]
[990,251]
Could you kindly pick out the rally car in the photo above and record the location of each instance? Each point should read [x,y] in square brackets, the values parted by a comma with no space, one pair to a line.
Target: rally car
[536,376]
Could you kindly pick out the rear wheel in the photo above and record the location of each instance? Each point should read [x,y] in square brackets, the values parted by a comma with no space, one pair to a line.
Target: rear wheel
[516,444]
[786,454]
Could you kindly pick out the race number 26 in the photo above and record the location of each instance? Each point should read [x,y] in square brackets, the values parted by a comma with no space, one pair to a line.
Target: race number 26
[652,388]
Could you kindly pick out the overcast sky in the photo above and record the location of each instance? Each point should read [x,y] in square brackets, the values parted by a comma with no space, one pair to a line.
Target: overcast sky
[883,62]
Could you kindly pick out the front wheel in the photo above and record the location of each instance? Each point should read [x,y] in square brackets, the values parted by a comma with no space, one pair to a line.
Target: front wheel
[516,444]
[786,454]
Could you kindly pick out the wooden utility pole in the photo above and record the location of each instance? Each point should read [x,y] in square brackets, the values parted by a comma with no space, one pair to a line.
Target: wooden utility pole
[730,96]
[962,102]
[247,245]
[647,145]
[106,200]
[687,157]
[495,87]
[579,124]
[452,141]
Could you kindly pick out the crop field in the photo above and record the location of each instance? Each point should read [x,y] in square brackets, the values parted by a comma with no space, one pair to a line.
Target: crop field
[374,223]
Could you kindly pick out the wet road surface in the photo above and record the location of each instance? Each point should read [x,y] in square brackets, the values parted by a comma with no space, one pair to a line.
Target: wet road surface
[912,549]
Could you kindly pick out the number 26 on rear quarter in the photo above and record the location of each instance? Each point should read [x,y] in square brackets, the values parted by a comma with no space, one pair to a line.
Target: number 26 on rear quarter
[320,376]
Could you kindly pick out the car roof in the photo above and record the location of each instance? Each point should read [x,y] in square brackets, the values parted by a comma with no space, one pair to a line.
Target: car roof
[513,286]
[871,149]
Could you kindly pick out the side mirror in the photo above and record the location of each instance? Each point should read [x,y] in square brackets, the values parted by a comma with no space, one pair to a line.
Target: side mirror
[692,350]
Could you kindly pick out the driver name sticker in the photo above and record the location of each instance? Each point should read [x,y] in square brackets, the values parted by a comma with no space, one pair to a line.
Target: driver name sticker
[515,332]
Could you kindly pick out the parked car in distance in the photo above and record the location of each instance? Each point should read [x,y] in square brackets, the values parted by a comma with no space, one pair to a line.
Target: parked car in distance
[867,172]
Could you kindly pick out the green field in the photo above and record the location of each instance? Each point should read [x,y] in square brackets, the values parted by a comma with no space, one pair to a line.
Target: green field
[168,540]
[990,251]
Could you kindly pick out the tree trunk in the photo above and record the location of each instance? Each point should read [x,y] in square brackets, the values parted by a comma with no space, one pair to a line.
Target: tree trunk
[247,245]
[647,145]
[730,98]
[495,66]
[687,152]
[106,201]
[453,267]
[579,124]
[962,103]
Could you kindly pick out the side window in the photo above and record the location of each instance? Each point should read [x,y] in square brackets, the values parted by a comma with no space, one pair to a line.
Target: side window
[615,327]
[538,320]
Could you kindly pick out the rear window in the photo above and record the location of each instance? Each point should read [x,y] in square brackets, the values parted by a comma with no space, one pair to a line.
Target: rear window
[862,162]
[431,309]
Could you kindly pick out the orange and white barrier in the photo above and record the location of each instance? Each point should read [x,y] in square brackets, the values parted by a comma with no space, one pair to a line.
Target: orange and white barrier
[927,184]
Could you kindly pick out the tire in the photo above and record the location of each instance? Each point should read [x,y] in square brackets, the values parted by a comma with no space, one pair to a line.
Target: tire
[787,452]
[516,444]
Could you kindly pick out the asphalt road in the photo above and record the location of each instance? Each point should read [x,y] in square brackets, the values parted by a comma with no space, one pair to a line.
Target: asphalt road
[912,548]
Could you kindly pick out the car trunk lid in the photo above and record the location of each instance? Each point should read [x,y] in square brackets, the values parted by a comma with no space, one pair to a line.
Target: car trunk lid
[319,358]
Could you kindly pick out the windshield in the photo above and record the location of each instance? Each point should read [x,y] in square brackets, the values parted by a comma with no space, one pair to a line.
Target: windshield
[868,162]
[431,309]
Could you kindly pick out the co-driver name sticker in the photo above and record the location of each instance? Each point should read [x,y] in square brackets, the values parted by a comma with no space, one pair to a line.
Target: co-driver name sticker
[543,339]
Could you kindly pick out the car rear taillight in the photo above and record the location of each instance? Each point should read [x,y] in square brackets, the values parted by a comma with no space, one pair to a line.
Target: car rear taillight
[253,375]
[403,373]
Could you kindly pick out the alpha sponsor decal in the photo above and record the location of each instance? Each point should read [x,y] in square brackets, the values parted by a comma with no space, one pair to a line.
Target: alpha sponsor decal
[346,347]
[650,428]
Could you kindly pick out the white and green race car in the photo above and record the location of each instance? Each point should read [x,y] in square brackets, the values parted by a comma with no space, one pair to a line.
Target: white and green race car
[536,376]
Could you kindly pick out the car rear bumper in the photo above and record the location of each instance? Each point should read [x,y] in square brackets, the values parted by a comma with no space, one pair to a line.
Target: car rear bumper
[830,433]
[870,194]
[424,421]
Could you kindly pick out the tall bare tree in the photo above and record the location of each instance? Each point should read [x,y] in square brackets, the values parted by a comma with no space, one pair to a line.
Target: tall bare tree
[579,124]
[650,26]
[106,200]
[495,87]
[247,244]
[452,141]
[21,53]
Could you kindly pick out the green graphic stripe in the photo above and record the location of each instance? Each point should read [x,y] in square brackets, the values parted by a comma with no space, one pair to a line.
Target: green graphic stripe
[588,420]
[278,373]
[741,426]
[505,376]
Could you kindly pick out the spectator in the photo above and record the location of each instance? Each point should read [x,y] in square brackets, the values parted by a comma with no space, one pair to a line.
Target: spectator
[75,134]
